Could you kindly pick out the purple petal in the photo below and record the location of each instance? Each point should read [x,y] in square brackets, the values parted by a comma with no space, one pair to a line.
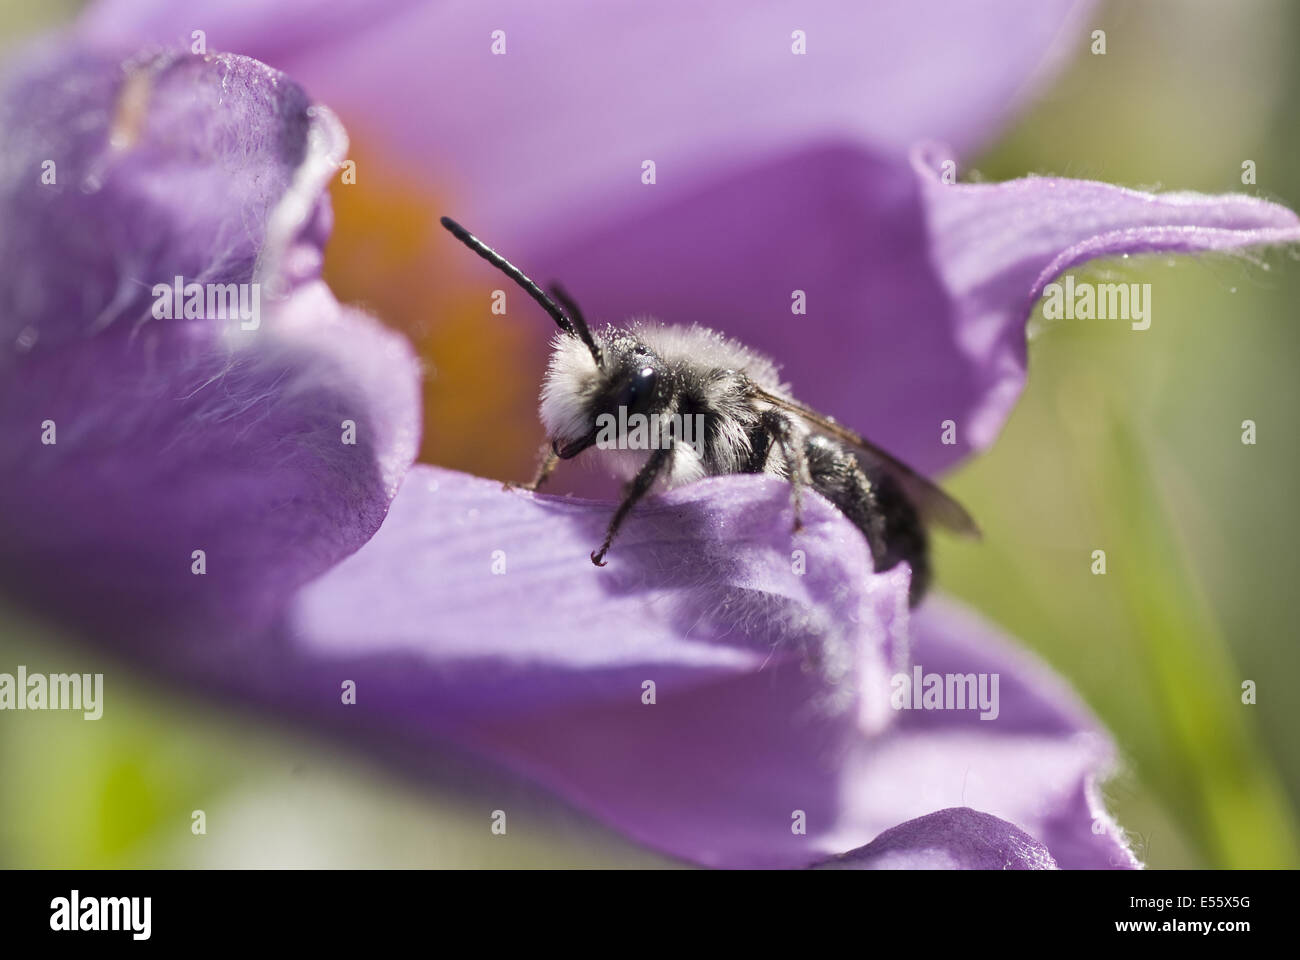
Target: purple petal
[180,435]
[493,590]
[761,673]
[586,92]
[772,692]
[958,838]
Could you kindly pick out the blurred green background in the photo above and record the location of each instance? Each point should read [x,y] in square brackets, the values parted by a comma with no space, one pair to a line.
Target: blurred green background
[1125,441]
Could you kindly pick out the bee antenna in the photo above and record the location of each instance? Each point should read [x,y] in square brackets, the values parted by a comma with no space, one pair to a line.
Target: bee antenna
[571,322]
[575,314]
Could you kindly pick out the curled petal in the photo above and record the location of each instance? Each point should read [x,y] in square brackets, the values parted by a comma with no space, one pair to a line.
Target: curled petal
[958,838]
[124,173]
[171,472]
[996,246]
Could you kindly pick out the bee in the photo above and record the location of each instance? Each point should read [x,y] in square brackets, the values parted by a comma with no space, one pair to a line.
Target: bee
[749,420]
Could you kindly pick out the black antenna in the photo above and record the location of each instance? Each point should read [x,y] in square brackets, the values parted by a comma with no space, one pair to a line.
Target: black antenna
[572,323]
[570,307]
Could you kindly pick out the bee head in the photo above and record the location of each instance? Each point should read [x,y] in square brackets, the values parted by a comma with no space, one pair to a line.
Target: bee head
[579,392]
[588,376]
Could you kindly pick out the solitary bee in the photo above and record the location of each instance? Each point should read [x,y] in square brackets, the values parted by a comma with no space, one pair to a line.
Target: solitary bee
[751,424]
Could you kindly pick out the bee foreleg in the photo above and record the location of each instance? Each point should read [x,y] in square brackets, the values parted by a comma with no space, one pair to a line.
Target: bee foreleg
[638,488]
[545,464]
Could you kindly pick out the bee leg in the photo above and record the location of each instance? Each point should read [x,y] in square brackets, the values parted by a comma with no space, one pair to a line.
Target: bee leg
[545,464]
[796,461]
[638,488]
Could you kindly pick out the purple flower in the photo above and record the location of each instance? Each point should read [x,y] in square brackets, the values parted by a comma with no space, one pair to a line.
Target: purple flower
[184,489]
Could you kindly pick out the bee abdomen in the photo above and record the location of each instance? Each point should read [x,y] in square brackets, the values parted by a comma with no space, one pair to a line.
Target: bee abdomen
[876,505]
[905,535]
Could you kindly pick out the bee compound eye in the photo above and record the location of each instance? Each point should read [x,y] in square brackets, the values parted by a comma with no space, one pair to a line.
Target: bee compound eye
[639,388]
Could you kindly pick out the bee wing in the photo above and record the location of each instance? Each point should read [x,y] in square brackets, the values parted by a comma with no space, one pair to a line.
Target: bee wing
[933,504]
